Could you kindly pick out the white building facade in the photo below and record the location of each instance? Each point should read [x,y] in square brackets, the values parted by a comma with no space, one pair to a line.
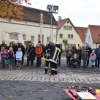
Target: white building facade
[28,29]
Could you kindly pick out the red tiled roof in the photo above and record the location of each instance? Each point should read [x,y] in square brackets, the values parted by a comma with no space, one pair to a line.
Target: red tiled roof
[33,15]
[95,33]
[81,32]
[61,23]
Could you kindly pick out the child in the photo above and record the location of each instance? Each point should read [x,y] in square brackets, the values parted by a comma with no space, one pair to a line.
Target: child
[38,52]
[19,55]
[11,57]
[93,57]
[3,56]
[85,58]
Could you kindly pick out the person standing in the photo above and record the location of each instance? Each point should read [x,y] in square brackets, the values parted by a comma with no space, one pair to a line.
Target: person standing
[59,57]
[89,50]
[38,52]
[93,57]
[3,45]
[85,58]
[79,52]
[23,51]
[15,49]
[54,54]
[46,57]
[69,53]
[31,55]
[74,49]
[3,56]
[10,45]
[19,56]
[11,57]
[97,52]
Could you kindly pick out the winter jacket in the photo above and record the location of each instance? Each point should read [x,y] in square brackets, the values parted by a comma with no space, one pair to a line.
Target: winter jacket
[31,53]
[19,55]
[74,50]
[92,56]
[89,50]
[79,52]
[97,52]
[85,55]
[3,45]
[69,52]
[38,51]
[3,53]
[11,55]
[23,49]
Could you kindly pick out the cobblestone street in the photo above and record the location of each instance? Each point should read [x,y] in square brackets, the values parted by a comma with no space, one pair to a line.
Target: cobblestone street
[70,76]
[33,84]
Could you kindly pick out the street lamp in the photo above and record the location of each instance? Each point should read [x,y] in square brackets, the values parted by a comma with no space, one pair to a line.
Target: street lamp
[41,26]
[52,9]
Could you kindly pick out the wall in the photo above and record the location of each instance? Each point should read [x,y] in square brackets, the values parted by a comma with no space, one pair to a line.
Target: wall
[76,40]
[28,28]
[90,42]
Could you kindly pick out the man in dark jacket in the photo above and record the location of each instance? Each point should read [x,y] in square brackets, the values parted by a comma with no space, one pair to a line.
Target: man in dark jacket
[74,49]
[31,55]
[89,50]
[97,52]
[23,51]
[3,45]
[85,58]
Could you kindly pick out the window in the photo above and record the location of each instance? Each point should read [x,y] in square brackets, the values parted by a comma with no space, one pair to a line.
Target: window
[32,38]
[48,39]
[70,36]
[67,27]
[64,27]
[13,36]
[70,27]
[24,36]
[60,35]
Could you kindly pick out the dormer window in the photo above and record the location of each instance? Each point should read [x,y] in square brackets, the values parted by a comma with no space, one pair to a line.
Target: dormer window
[67,27]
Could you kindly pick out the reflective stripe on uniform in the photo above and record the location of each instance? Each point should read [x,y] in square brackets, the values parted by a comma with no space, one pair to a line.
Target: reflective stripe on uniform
[46,67]
[52,68]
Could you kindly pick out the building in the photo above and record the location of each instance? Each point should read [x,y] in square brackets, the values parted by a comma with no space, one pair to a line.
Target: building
[93,36]
[29,28]
[66,30]
[82,33]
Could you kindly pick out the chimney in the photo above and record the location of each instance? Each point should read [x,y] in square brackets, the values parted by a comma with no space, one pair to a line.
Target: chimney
[59,18]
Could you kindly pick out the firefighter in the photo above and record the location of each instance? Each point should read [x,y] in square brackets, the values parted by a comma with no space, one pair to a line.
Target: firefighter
[54,53]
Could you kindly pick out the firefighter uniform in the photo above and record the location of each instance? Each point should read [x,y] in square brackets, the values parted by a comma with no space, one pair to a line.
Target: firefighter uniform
[54,53]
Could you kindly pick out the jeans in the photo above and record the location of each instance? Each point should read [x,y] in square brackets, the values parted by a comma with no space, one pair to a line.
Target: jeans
[28,61]
[38,63]
[3,62]
[19,62]
[84,62]
[97,62]
[11,63]
[68,61]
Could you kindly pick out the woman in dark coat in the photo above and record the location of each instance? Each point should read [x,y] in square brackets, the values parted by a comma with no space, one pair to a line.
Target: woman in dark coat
[31,55]
[79,52]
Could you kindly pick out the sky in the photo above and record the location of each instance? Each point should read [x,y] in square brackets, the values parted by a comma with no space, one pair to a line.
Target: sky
[81,12]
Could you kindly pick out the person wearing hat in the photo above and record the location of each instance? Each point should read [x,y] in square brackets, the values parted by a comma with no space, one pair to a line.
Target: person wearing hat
[85,58]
